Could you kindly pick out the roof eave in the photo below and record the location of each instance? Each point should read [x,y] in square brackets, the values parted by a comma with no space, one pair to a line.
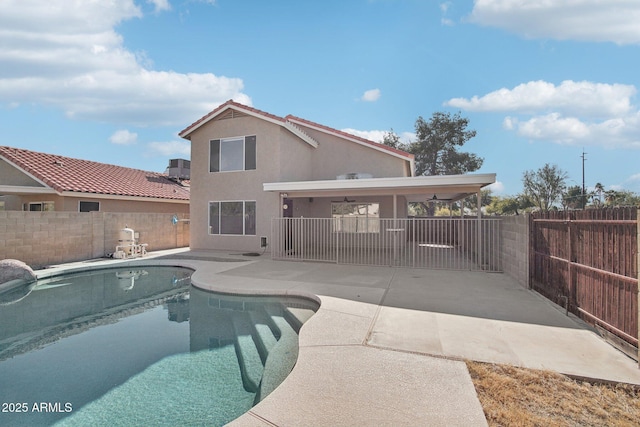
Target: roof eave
[121,197]
[186,133]
[469,182]
[19,189]
[342,135]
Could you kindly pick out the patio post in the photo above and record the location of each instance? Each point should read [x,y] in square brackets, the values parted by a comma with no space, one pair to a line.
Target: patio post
[395,227]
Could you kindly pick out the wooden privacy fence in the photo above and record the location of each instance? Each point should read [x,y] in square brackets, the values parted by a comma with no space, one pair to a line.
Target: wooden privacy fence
[587,261]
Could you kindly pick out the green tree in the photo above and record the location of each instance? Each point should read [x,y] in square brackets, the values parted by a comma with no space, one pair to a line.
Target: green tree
[598,189]
[509,205]
[437,142]
[572,197]
[471,202]
[614,198]
[392,140]
[544,186]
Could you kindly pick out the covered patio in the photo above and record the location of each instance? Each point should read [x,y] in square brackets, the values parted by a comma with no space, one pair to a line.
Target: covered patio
[382,233]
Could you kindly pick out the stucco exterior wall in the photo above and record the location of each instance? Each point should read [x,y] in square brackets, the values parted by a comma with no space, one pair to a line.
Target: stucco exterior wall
[9,175]
[238,185]
[335,156]
[72,204]
[281,156]
[320,207]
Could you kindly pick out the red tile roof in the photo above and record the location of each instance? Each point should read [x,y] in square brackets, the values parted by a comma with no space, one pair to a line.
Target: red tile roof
[229,104]
[66,174]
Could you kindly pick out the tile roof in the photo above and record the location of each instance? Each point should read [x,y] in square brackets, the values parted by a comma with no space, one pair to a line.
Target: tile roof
[290,118]
[66,174]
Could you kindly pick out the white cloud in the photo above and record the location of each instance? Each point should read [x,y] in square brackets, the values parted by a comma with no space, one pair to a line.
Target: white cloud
[614,133]
[378,135]
[497,187]
[124,137]
[180,149]
[160,5]
[371,95]
[583,97]
[586,20]
[444,8]
[571,113]
[71,57]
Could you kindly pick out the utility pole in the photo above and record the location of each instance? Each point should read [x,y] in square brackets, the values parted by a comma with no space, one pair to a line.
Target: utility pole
[584,200]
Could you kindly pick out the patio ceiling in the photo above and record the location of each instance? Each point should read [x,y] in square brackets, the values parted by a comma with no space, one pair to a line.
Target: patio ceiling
[447,188]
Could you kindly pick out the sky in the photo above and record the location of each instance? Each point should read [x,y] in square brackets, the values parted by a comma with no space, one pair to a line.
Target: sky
[540,81]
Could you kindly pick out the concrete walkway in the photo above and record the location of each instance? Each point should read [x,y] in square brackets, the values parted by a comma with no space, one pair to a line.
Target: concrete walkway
[387,346]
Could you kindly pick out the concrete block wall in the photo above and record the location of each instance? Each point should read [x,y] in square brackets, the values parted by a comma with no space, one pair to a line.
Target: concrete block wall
[47,238]
[514,237]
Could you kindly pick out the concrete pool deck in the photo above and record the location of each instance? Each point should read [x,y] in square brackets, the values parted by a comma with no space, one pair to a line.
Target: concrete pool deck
[387,346]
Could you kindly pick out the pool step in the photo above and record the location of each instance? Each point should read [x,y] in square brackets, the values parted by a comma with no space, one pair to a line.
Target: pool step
[249,360]
[297,316]
[266,332]
[283,355]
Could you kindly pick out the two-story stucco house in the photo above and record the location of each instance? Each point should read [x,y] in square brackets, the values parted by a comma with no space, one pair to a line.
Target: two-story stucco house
[249,168]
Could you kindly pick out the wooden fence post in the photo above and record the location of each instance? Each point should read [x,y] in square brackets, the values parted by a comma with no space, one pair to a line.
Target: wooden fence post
[638,261]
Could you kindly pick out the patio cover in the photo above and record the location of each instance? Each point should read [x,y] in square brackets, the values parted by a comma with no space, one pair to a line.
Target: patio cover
[445,188]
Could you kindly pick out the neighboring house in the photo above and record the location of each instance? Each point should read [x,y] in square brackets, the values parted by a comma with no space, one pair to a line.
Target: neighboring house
[249,166]
[33,181]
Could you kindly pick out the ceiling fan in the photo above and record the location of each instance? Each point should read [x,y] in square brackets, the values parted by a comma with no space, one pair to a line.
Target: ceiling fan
[346,200]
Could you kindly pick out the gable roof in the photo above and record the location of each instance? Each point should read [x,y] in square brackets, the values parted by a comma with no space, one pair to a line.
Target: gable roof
[350,137]
[68,175]
[293,124]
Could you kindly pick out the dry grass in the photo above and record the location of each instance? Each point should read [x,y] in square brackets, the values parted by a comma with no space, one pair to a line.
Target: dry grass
[513,396]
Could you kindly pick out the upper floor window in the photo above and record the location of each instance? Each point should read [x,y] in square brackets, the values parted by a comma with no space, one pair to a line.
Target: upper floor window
[232,154]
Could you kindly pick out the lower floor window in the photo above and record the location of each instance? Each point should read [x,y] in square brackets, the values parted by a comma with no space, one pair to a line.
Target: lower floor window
[89,206]
[236,218]
[41,206]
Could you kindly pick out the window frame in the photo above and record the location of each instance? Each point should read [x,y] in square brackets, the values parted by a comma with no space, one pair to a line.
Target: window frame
[248,155]
[80,202]
[371,222]
[248,226]
[42,204]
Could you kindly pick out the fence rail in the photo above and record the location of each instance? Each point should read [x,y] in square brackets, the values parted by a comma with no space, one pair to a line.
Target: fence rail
[589,261]
[444,243]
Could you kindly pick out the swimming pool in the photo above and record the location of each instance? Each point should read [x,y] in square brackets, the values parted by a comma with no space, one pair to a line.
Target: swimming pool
[140,347]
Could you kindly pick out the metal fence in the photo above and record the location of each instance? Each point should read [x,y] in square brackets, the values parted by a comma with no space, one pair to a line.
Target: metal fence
[440,243]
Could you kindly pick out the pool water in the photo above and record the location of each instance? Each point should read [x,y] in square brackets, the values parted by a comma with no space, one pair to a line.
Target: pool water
[140,347]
